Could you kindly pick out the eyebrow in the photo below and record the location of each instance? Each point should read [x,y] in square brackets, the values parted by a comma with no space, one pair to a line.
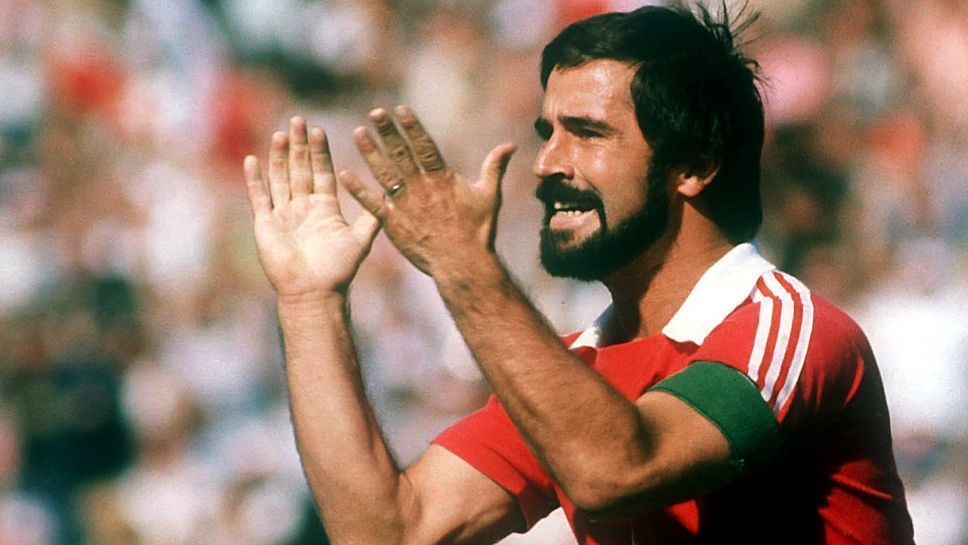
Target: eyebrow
[575,123]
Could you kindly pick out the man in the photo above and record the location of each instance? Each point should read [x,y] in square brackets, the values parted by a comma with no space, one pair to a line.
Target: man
[717,400]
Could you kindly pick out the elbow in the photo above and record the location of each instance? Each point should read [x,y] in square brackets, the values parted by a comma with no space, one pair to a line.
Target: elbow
[603,484]
[621,492]
[612,493]
[603,505]
[594,504]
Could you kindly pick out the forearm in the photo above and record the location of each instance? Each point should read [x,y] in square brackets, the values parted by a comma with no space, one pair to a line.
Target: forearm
[351,473]
[582,429]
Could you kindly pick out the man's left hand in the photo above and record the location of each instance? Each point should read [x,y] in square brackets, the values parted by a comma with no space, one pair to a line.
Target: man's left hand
[430,213]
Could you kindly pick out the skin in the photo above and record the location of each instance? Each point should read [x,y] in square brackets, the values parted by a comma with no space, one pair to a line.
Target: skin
[626,455]
[310,253]
[593,142]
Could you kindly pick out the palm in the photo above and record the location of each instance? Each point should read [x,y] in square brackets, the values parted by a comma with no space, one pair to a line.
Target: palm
[305,244]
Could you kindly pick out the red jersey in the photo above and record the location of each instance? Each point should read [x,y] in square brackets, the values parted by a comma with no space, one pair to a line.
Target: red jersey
[833,481]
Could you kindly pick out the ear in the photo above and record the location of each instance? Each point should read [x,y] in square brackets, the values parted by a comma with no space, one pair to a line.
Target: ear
[691,181]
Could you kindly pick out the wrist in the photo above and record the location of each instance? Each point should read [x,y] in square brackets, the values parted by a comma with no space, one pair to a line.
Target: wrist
[478,268]
[312,303]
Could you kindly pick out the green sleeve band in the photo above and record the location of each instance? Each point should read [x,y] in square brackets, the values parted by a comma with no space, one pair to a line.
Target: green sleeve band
[732,402]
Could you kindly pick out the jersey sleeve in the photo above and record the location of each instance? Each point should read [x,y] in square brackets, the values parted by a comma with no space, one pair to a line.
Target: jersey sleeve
[730,401]
[813,367]
[804,356]
[488,441]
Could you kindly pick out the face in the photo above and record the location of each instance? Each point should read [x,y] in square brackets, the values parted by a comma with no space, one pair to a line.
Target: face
[603,206]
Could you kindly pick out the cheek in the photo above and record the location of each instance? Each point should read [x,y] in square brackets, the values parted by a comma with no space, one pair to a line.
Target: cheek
[617,210]
[619,174]
[625,196]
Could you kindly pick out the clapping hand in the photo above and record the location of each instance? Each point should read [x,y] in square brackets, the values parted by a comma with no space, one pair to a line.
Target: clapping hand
[431,214]
[305,244]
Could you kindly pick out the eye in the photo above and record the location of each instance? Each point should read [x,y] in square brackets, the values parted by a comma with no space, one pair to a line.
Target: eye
[588,133]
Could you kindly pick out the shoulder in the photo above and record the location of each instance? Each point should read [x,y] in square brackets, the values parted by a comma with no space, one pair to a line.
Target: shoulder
[782,310]
[788,339]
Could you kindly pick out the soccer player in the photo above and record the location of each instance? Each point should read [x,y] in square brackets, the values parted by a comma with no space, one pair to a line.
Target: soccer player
[717,400]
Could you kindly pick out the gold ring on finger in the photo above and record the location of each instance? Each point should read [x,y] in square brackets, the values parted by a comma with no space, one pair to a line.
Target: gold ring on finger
[394,189]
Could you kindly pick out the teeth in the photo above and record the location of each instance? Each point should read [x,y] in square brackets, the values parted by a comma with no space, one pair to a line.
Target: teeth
[566,210]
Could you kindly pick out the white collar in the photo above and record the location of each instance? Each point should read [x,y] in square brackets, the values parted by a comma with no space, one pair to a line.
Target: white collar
[722,288]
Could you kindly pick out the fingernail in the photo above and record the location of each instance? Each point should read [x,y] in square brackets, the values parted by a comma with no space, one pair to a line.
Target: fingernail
[378,114]
[362,136]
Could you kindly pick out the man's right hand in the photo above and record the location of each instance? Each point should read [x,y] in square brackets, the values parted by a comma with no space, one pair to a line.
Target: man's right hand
[305,244]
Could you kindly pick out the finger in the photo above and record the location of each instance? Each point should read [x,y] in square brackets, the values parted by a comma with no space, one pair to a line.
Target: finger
[279,169]
[365,228]
[424,148]
[494,167]
[300,171]
[256,187]
[324,181]
[370,200]
[394,143]
[383,170]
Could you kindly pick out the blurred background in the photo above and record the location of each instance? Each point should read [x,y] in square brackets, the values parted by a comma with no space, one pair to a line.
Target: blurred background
[142,399]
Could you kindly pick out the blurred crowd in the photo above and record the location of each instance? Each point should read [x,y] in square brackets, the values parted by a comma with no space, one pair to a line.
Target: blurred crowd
[142,396]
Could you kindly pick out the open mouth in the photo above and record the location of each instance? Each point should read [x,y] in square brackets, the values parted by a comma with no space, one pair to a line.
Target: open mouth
[568,208]
[570,215]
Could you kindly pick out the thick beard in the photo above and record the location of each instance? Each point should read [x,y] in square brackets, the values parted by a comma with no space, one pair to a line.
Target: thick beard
[608,250]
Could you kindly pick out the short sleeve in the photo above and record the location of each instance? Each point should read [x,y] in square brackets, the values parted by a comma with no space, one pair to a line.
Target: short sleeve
[730,401]
[488,441]
[799,350]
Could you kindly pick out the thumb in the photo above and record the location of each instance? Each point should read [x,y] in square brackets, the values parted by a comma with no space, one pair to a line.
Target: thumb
[365,228]
[494,167]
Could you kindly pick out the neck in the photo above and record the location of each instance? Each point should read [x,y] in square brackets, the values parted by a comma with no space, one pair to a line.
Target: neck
[648,292]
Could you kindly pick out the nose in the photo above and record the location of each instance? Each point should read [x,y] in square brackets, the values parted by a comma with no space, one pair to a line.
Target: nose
[553,161]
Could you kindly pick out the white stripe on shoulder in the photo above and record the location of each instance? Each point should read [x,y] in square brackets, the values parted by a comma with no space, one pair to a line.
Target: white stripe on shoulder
[783,334]
[762,333]
[803,342]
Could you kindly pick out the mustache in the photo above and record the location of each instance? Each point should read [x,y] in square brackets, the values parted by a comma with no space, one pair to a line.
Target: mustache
[555,189]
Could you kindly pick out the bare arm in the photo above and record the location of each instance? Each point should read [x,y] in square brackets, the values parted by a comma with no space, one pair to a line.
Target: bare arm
[609,454]
[310,254]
